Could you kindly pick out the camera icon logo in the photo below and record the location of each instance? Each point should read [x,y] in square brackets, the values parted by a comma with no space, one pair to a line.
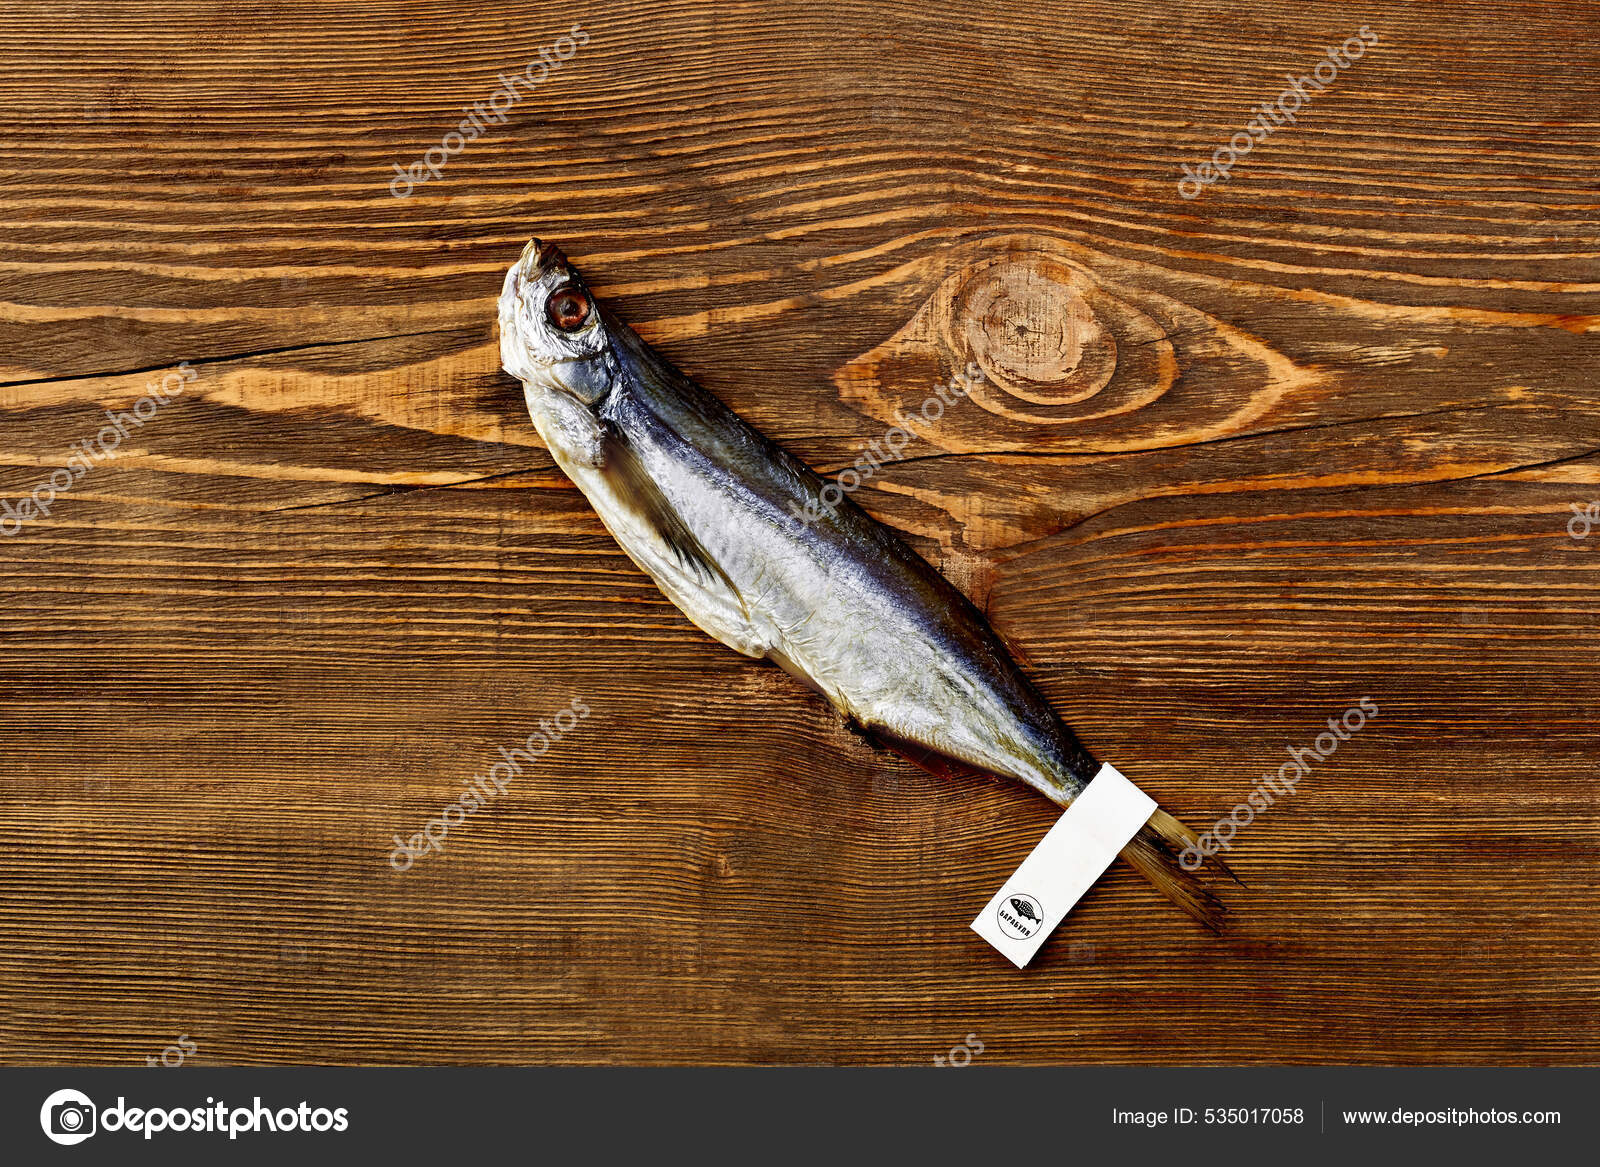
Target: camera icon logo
[68,1117]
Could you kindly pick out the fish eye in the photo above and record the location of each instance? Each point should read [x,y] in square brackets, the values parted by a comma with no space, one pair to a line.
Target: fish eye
[567,308]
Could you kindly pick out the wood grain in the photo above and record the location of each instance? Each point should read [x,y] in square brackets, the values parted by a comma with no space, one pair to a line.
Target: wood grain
[1237,462]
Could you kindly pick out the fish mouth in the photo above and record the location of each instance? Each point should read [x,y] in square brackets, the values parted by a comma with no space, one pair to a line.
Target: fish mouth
[539,257]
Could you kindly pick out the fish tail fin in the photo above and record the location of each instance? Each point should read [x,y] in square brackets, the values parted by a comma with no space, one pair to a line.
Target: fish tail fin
[1156,852]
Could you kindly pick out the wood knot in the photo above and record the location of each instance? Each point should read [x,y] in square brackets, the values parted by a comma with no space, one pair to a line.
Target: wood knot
[1030,325]
[1079,350]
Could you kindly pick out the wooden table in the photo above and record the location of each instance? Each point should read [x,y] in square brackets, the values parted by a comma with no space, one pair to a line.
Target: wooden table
[1241,460]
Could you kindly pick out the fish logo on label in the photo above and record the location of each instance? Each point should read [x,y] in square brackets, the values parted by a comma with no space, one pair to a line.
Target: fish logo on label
[1020,916]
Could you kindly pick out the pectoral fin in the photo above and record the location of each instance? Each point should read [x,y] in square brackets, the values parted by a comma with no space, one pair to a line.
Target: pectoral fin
[632,482]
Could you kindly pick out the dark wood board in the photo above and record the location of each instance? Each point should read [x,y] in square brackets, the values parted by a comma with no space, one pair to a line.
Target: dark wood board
[1241,460]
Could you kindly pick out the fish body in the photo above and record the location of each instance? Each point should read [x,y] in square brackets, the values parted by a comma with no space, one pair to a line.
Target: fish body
[735,533]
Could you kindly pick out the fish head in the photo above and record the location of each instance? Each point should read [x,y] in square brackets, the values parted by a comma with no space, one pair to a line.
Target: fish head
[552,336]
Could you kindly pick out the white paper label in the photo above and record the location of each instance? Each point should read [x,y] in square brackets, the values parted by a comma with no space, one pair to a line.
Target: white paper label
[1067,861]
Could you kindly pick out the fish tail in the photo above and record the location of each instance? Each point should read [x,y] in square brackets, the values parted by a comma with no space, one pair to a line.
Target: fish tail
[1157,852]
